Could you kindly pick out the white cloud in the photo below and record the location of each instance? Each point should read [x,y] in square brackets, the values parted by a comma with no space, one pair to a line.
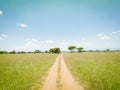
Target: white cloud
[75,41]
[84,43]
[83,39]
[49,41]
[103,36]
[3,35]
[1,13]
[63,43]
[100,34]
[1,38]
[23,25]
[115,32]
[34,40]
[32,44]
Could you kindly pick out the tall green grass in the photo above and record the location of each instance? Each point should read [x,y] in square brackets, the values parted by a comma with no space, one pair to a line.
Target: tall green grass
[96,71]
[24,71]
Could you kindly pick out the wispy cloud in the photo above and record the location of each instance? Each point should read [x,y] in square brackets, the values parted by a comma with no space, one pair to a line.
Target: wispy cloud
[22,25]
[115,32]
[3,35]
[100,34]
[34,40]
[1,38]
[103,36]
[63,43]
[84,44]
[32,44]
[49,41]
[75,41]
[1,13]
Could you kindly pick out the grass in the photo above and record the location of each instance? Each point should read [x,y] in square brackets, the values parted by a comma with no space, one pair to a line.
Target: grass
[96,71]
[24,71]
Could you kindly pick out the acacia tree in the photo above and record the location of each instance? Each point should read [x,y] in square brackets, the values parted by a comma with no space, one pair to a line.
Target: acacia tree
[80,49]
[71,48]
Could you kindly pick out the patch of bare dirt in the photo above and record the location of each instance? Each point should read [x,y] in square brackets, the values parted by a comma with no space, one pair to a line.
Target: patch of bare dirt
[66,80]
[50,82]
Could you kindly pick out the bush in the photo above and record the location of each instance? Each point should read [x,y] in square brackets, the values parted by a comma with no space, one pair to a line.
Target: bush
[55,50]
[3,52]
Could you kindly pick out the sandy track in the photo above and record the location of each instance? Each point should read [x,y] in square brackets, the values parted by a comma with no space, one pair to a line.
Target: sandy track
[50,82]
[66,79]
[68,82]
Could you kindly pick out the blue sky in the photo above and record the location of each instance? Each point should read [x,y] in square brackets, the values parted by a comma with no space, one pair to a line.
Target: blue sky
[42,24]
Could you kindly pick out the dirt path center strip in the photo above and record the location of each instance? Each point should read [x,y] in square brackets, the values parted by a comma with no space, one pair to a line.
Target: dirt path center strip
[67,81]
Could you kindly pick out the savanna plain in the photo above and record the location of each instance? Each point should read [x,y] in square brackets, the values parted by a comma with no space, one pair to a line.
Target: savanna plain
[92,70]
[24,71]
[95,70]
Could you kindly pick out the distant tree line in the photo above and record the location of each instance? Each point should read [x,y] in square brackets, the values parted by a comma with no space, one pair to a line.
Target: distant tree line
[73,48]
[37,51]
[52,50]
[3,52]
[57,50]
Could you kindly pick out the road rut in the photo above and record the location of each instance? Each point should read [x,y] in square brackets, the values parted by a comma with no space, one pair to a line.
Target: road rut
[66,80]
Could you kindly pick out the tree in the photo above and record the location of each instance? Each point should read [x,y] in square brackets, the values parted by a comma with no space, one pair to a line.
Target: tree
[12,52]
[3,52]
[21,52]
[37,51]
[108,50]
[55,50]
[46,51]
[71,48]
[80,49]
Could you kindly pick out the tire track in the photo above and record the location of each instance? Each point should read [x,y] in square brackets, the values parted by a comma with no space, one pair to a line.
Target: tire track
[60,78]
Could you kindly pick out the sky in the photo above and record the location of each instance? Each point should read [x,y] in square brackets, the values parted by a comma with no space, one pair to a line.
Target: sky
[27,25]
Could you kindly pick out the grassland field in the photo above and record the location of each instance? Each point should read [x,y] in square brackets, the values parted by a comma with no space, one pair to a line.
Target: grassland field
[95,70]
[24,71]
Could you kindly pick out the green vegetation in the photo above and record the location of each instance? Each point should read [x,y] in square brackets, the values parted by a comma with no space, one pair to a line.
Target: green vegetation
[55,50]
[96,71]
[3,52]
[37,51]
[24,71]
[71,48]
[12,52]
[80,49]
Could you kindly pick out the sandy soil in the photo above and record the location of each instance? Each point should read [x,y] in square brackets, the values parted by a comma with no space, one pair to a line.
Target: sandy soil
[66,79]
[50,82]
[68,82]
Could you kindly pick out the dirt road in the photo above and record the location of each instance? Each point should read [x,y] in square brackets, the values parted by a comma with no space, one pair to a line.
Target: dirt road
[60,74]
